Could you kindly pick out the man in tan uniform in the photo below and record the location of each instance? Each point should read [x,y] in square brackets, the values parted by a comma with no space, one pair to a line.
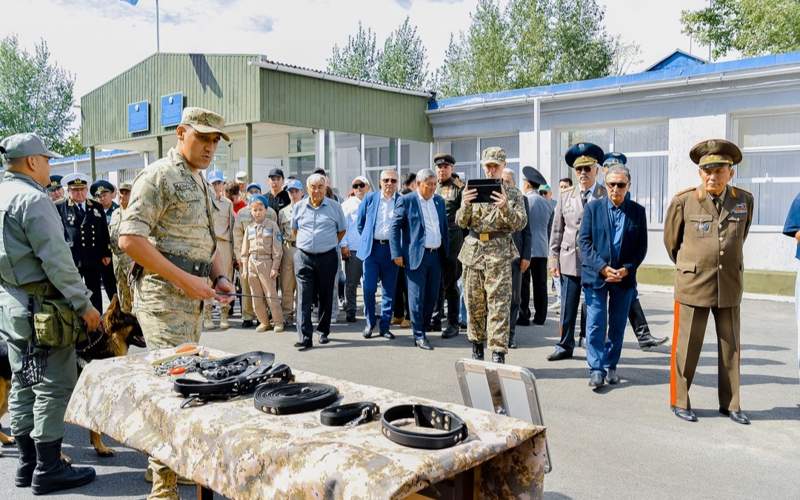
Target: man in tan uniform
[287,279]
[704,232]
[243,219]
[122,262]
[222,214]
[168,230]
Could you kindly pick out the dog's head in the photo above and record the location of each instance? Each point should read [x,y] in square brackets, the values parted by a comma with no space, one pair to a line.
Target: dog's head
[122,327]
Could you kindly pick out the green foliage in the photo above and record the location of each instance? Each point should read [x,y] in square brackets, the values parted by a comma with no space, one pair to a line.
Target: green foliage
[72,145]
[403,61]
[752,27]
[358,58]
[35,94]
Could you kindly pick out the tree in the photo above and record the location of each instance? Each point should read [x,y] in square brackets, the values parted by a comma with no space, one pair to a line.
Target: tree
[489,49]
[72,146]
[454,74]
[531,55]
[358,58]
[35,94]
[751,27]
[403,61]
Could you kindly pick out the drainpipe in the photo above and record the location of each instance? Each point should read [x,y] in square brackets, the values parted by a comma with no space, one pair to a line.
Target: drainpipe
[93,163]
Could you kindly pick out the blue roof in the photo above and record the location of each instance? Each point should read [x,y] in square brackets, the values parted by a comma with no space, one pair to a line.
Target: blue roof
[678,59]
[85,156]
[668,73]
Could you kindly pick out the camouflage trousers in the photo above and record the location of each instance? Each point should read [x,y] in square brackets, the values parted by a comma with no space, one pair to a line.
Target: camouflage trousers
[124,290]
[487,295]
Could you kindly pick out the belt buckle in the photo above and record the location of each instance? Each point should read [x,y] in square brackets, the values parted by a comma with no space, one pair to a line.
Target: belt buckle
[483,236]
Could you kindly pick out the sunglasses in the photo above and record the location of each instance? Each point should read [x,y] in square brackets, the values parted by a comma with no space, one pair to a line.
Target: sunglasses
[393,181]
[583,169]
[359,185]
[618,185]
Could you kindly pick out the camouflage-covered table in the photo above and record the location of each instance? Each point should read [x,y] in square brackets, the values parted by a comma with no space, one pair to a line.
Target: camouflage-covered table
[238,451]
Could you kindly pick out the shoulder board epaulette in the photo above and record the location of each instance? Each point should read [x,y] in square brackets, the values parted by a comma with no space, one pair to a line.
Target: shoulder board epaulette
[736,190]
[568,189]
[687,190]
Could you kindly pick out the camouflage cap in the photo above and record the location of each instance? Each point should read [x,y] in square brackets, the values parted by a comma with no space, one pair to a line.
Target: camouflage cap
[204,121]
[493,155]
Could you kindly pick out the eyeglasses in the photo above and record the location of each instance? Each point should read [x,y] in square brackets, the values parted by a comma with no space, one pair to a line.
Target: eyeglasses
[392,180]
[583,169]
[618,185]
[359,185]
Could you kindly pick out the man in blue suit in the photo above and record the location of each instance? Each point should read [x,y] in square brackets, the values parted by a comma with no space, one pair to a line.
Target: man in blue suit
[419,243]
[613,243]
[374,220]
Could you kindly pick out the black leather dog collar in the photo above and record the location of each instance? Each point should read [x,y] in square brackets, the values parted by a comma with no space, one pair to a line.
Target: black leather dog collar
[424,416]
[351,414]
[294,398]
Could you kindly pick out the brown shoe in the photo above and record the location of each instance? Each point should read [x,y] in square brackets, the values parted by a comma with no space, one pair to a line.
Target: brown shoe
[405,323]
[397,321]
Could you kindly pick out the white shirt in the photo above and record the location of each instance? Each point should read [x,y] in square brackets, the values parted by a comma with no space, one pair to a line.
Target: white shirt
[383,222]
[433,238]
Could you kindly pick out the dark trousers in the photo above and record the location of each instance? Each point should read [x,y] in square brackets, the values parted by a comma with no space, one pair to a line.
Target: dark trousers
[525,295]
[423,291]
[607,314]
[538,274]
[516,282]
[353,268]
[316,274]
[400,302]
[637,319]
[379,267]
[570,300]
[92,275]
[109,280]
[451,272]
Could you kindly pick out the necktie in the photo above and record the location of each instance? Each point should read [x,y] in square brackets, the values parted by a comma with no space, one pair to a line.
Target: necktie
[584,197]
[717,203]
[81,211]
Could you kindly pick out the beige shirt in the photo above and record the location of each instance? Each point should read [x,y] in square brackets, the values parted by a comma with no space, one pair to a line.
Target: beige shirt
[262,241]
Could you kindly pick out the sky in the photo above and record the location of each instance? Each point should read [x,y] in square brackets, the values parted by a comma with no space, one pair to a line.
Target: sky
[96,40]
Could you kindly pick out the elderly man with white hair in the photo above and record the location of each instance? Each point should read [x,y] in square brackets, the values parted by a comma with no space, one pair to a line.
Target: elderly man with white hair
[353,263]
[318,224]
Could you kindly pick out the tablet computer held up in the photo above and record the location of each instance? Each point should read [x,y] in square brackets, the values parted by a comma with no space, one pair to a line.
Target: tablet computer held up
[485,189]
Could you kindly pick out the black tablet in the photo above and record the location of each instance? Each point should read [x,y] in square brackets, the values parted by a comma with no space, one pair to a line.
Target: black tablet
[485,189]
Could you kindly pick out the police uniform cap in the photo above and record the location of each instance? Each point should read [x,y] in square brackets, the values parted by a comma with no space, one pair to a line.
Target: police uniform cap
[275,172]
[493,155]
[443,158]
[23,145]
[533,175]
[215,176]
[584,154]
[204,121]
[714,152]
[55,182]
[253,185]
[100,187]
[125,186]
[614,159]
[75,179]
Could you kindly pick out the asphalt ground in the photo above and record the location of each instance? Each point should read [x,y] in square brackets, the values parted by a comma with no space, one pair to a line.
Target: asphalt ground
[617,443]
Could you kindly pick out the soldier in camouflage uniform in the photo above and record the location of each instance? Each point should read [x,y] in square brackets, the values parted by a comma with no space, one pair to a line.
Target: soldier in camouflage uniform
[287,279]
[122,262]
[486,255]
[450,188]
[168,230]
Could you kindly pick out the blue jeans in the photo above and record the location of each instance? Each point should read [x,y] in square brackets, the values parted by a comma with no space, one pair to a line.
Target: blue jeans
[607,309]
[379,266]
[423,292]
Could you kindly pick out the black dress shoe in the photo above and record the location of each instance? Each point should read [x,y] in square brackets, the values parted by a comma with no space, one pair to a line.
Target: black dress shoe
[322,338]
[423,344]
[351,318]
[498,357]
[523,321]
[477,351]
[462,327]
[367,333]
[436,326]
[647,341]
[512,343]
[559,354]
[685,414]
[304,345]
[387,334]
[537,322]
[248,323]
[737,416]
[450,332]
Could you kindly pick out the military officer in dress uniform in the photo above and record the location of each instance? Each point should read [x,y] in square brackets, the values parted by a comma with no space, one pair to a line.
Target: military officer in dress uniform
[86,226]
[450,188]
[486,255]
[55,190]
[704,232]
[104,192]
[565,259]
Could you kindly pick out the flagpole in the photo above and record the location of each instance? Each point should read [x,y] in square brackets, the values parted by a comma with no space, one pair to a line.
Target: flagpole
[158,31]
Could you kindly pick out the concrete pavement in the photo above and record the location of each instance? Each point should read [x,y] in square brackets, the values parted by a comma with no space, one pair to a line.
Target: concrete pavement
[618,443]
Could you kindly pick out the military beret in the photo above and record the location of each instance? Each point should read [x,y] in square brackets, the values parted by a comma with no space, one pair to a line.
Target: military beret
[583,154]
[714,152]
[204,121]
[443,158]
[55,182]
[533,175]
[75,179]
[101,186]
[493,155]
[125,186]
[614,158]
[215,176]
[253,185]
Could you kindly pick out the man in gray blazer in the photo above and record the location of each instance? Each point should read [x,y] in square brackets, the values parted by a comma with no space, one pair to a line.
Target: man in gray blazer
[540,215]
[564,259]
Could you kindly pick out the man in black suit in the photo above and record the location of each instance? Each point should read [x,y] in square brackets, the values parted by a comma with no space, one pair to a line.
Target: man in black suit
[520,265]
[85,224]
[104,192]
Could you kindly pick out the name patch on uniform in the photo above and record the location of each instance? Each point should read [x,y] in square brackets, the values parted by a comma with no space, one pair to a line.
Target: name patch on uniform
[183,186]
[740,209]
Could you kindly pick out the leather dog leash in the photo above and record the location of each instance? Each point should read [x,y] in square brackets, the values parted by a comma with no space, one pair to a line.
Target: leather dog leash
[294,398]
[350,415]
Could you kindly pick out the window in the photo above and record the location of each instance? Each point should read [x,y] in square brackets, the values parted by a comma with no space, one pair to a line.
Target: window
[467,153]
[302,154]
[770,145]
[645,145]
[380,153]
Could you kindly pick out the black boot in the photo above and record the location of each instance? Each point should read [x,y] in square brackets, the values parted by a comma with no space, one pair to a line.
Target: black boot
[27,460]
[53,474]
[498,357]
[477,351]
[511,342]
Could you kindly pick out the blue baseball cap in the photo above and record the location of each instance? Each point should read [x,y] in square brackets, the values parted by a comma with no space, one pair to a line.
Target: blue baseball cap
[294,184]
[215,176]
[261,199]
[253,185]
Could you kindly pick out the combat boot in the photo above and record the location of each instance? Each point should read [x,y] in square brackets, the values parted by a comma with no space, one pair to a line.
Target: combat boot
[165,484]
[498,357]
[53,474]
[477,351]
[27,460]
[223,317]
